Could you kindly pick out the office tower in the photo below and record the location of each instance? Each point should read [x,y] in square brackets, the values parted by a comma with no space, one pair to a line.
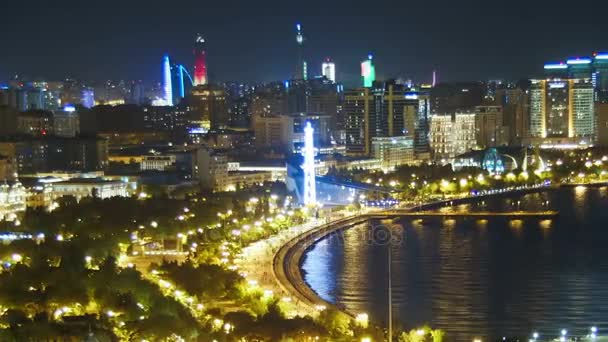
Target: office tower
[450,97]
[360,116]
[301,66]
[562,108]
[422,147]
[167,82]
[328,69]
[87,98]
[385,110]
[239,98]
[579,67]
[209,107]
[200,62]
[66,122]
[600,77]
[368,72]
[602,124]
[515,101]
[556,70]
[489,128]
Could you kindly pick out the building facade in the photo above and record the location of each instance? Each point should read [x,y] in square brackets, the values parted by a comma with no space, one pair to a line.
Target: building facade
[451,135]
[562,108]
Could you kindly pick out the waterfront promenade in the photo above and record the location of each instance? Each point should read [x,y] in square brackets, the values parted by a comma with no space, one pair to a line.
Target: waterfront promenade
[273,264]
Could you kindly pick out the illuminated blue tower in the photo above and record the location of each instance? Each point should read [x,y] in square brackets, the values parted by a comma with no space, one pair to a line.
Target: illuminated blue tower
[181,71]
[167,83]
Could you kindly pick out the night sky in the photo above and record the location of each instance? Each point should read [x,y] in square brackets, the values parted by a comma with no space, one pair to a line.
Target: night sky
[255,40]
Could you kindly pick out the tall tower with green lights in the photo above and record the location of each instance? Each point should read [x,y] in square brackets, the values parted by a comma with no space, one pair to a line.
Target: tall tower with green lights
[368,71]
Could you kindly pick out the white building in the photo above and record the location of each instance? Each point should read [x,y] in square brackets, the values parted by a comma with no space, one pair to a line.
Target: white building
[89,187]
[157,162]
[393,151]
[452,135]
[211,169]
[12,200]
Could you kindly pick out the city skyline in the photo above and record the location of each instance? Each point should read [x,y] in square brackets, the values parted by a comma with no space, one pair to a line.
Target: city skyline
[254,43]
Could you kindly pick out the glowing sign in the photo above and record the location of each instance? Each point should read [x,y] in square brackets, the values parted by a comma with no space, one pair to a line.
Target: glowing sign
[578,61]
[557,85]
[69,108]
[411,96]
[198,130]
[602,56]
[552,66]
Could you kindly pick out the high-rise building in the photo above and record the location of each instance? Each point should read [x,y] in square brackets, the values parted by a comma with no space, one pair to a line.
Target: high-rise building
[579,67]
[451,97]
[66,122]
[602,124]
[562,108]
[489,127]
[301,72]
[594,68]
[600,77]
[515,101]
[167,82]
[200,61]
[387,109]
[208,105]
[360,116]
[328,69]
[368,71]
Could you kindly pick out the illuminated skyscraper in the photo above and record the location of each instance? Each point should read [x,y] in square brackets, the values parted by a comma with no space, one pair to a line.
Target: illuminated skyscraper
[328,69]
[200,62]
[368,72]
[562,108]
[167,83]
[301,67]
[600,77]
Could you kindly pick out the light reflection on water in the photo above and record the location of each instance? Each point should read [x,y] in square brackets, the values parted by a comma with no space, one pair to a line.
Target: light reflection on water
[490,277]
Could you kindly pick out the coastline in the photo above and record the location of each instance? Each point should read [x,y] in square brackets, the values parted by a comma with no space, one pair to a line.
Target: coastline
[288,259]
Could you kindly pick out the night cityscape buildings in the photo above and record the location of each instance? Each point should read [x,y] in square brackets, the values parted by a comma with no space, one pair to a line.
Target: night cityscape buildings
[307,149]
[200,61]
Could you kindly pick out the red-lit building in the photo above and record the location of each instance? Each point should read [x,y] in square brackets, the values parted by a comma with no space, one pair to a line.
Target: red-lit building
[200,62]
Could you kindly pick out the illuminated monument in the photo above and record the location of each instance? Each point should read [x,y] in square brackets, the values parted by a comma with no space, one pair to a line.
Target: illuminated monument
[167,83]
[310,189]
[301,67]
[368,72]
[200,62]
